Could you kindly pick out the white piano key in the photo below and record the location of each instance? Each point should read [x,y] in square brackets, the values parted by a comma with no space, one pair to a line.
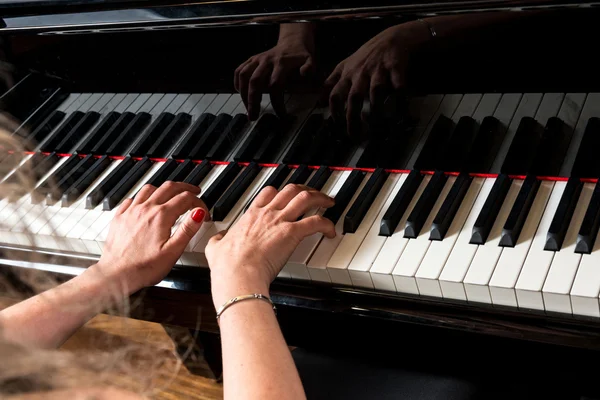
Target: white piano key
[410,259]
[439,251]
[364,258]
[535,268]
[486,256]
[296,264]
[327,246]
[503,281]
[381,270]
[558,283]
[586,286]
[343,255]
[456,267]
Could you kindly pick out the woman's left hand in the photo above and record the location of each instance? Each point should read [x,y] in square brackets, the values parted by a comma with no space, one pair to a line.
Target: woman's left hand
[140,250]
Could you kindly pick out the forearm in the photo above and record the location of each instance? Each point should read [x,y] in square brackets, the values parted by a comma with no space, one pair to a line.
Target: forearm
[257,363]
[48,319]
[300,32]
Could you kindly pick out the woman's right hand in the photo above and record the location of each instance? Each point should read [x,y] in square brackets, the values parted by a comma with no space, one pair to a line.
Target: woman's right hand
[248,257]
[268,72]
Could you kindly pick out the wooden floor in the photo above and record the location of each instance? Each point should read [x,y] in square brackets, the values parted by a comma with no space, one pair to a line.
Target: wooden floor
[175,380]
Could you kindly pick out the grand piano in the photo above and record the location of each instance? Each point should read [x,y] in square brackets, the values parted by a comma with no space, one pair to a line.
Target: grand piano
[467,202]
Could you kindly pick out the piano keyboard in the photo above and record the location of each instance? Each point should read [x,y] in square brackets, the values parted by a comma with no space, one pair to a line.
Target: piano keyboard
[484,198]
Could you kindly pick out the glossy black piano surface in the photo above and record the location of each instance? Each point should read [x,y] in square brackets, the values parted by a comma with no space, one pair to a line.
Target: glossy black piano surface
[467,196]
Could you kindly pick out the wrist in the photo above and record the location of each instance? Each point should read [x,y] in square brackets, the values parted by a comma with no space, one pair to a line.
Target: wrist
[225,286]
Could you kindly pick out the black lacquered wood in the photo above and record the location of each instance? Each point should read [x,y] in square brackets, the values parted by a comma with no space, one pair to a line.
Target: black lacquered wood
[459,145]
[587,163]
[218,187]
[62,131]
[99,193]
[319,177]
[435,144]
[489,211]
[422,209]
[450,206]
[562,218]
[300,175]
[208,139]
[171,135]
[98,133]
[364,201]
[301,143]
[590,225]
[394,213]
[345,194]
[125,138]
[226,142]
[113,134]
[69,179]
[151,134]
[44,129]
[163,173]
[38,195]
[199,172]
[519,212]
[485,148]
[193,135]
[224,205]
[182,171]
[523,148]
[118,193]
[67,144]
[254,139]
[85,181]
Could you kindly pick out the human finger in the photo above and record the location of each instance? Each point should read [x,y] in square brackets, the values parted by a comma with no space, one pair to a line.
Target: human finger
[216,237]
[356,97]
[144,194]
[329,84]
[304,201]
[256,87]
[286,195]
[337,98]
[314,224]
[378,92]
[236,74]
[308,67]
[244,80]
[276,85]
[184,202]
[170,189]
[187,229]
[124,206]
[264,197]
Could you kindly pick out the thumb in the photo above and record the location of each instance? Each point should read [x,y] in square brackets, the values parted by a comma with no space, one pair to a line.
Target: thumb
[188,227]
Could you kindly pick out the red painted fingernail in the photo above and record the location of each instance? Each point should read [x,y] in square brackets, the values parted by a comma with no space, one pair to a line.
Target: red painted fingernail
[198,215]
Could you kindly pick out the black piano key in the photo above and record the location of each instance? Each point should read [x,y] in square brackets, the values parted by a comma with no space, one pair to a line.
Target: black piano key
[519,212]
[363,202]
[272,142]
[220,184]
[300,175]
[303,139]
[113,133]
[589,227]
[552,148]
[170,136]
[62,131]
[201,148]
[69,179]
[163,173]
[50,183]
[275,180]
[182,171]
[46,164]
[266,123]
[117,193]
[99,193]
[193,136]
[199,172]
[78,132]
[398,207]
[84,182]
[449,207]
[435,144]
[459,146]
[522,151]
[423,207]
[224,205]
[98,133]
[319,178]
[343,197]
[489,211]
[150,135]
[40,116]
[44,129]
[134,129]
[226,141]
[562,218]
[587,163]
[485,148]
